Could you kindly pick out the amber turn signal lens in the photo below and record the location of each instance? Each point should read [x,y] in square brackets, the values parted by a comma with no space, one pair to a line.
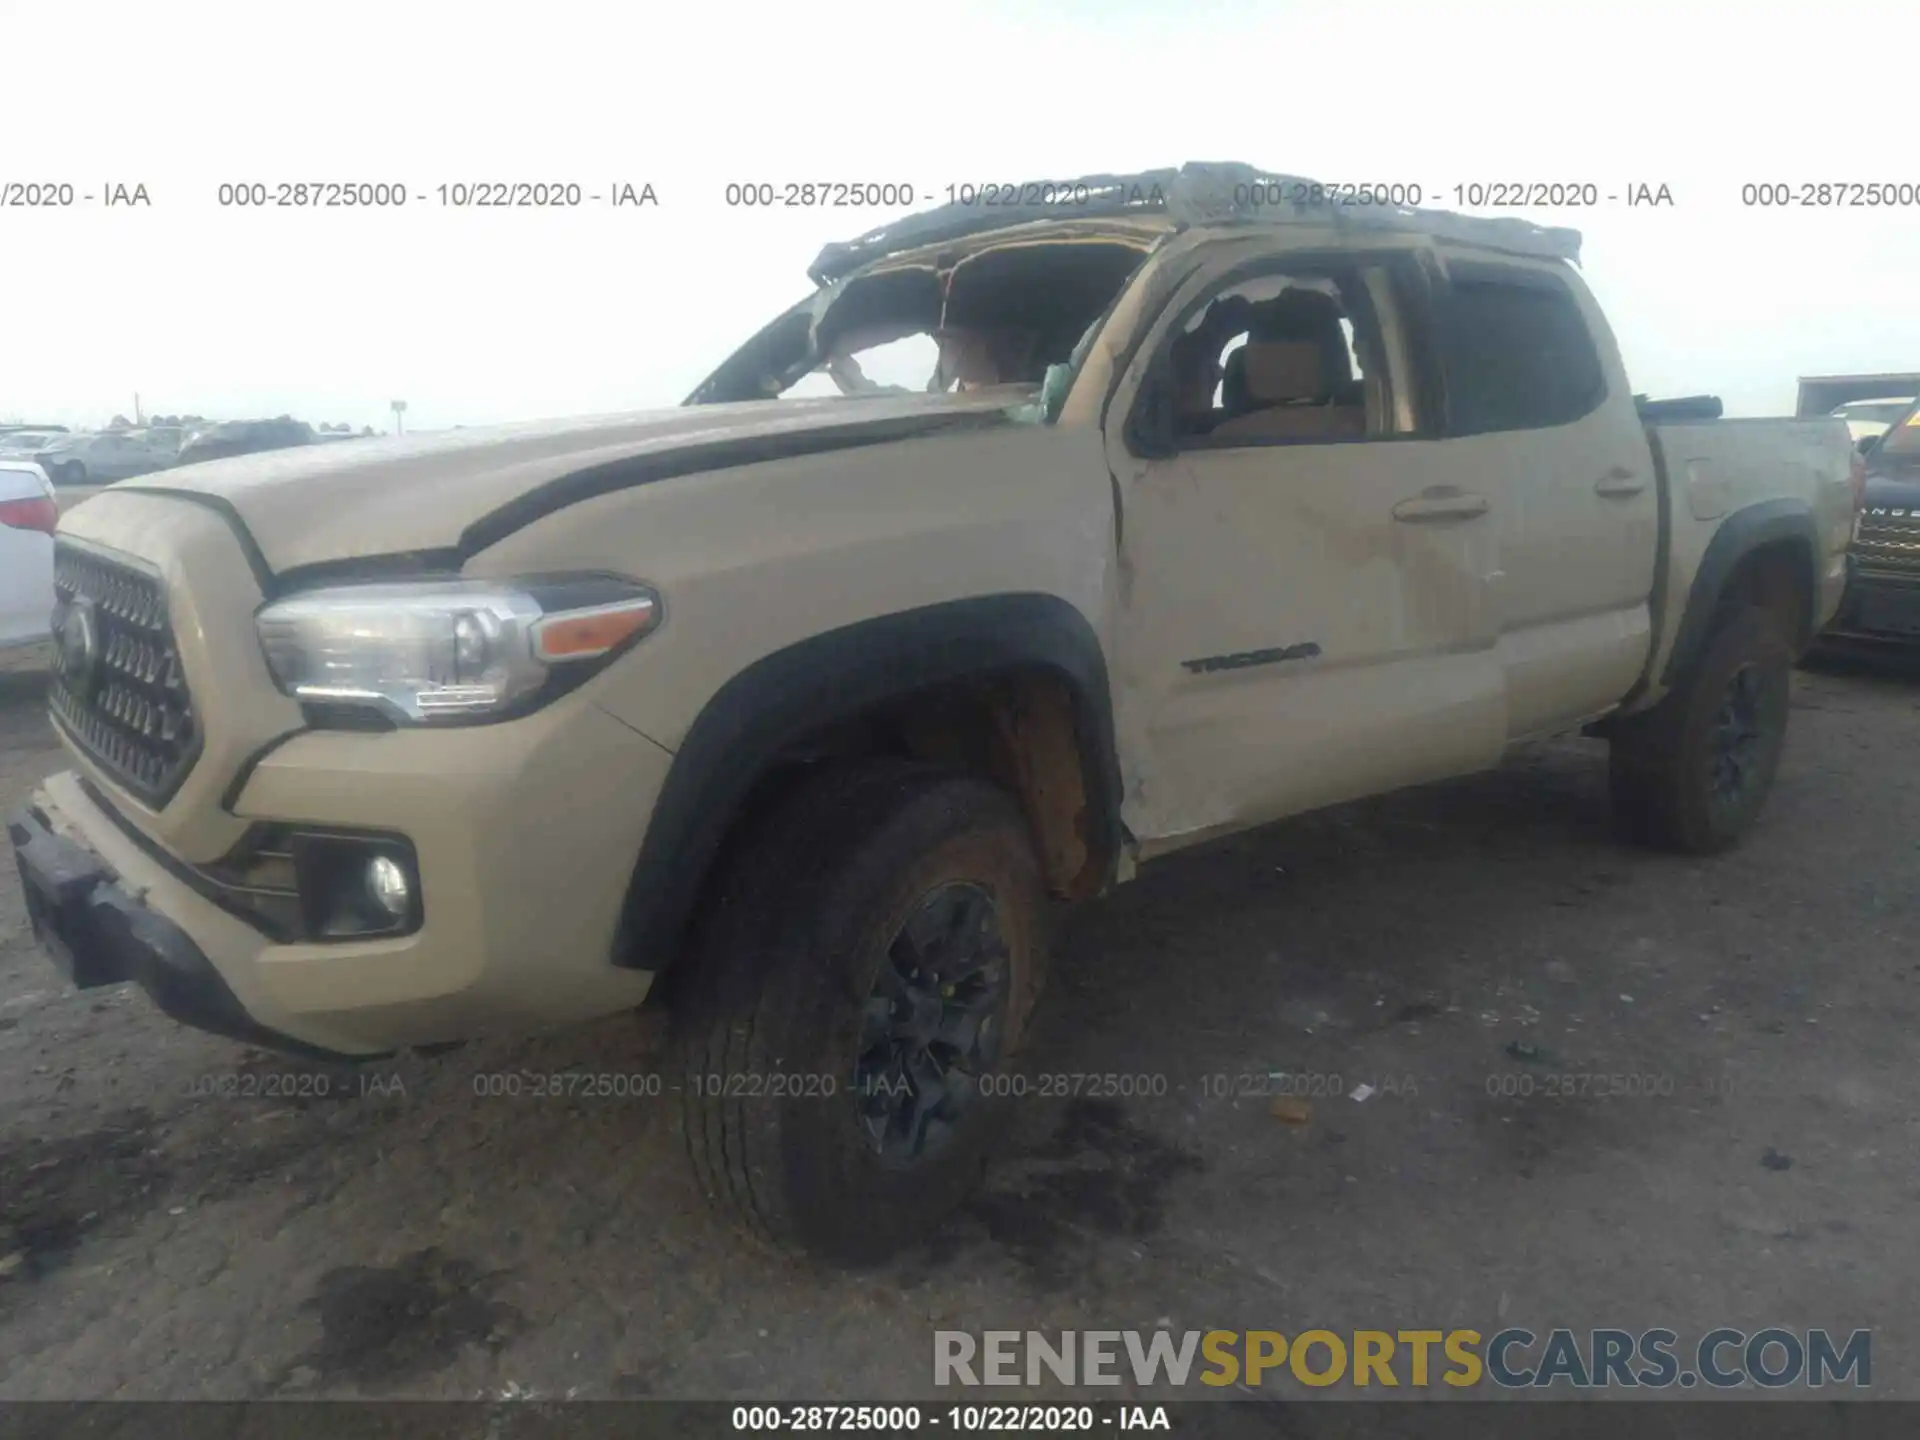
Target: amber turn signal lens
[588,634]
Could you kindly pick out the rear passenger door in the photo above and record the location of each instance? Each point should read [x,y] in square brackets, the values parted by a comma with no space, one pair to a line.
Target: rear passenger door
[1538,403]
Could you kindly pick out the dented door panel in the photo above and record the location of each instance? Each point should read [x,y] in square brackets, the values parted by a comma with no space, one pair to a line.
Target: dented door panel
[1290,643]
[1295,624]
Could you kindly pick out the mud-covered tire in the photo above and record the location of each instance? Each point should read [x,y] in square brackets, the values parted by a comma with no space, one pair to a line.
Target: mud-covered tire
[1670,770]
[775,1017]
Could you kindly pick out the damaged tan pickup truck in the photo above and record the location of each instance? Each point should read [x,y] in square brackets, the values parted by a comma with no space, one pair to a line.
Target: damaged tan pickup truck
[1221,503]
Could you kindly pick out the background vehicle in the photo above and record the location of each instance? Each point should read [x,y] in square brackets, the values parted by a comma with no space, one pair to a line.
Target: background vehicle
[1831,394]
[1868,419]
[244,437]
[27,443]
[806,707]
[27,518]
[1883,590]
[163,440]
[99,458]
[15,428]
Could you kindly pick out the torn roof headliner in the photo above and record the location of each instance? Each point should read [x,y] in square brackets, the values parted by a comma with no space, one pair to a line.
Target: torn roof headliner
[1193,194]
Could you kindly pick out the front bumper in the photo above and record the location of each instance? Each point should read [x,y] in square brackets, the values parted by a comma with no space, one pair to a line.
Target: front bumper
[1879,605]
[525,833]
[99,933]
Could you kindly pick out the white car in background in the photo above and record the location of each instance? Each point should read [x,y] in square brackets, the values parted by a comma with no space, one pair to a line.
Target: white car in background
[1868,418]
[163,440]
[96,458]
[28,516]
[27,442]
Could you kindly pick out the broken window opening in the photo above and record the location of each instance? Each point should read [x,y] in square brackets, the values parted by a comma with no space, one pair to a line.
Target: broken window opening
[1277,357]
[1000,315]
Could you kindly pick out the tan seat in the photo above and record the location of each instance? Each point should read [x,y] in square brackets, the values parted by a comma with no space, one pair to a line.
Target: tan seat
[1280,377]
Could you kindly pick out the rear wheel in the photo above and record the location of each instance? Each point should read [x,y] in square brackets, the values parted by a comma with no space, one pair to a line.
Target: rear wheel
[71,473]
[865,973]
[1693,773]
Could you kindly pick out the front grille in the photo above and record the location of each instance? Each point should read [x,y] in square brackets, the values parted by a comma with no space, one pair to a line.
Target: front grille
[1888,541]
[118,689]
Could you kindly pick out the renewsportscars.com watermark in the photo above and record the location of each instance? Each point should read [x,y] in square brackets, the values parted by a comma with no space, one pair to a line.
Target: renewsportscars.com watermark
[1509,1359]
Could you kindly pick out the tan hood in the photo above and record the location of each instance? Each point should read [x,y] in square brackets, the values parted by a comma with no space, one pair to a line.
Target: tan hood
[455,492]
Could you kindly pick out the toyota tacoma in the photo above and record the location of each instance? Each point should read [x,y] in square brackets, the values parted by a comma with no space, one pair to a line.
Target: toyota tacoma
[1216,503]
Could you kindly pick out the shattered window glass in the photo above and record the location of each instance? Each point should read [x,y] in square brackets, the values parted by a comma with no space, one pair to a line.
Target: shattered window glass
[905,364]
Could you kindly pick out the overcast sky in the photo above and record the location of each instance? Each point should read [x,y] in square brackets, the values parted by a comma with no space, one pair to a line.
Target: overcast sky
[482,315]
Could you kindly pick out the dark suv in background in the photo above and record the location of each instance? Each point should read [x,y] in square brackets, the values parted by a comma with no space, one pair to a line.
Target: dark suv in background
[1883,588]
[245,437]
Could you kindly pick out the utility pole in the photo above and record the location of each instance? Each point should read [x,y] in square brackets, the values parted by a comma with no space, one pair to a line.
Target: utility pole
[399,413]
[138,418]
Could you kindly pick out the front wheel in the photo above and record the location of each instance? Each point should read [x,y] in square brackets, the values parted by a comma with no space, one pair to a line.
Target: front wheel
[71,473]
[864,975]
[1693,773]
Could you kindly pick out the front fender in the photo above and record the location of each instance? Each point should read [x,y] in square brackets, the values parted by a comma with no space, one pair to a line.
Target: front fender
[807,687]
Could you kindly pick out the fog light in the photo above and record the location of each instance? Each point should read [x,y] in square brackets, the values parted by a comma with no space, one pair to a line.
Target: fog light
[387,886]
[355,886]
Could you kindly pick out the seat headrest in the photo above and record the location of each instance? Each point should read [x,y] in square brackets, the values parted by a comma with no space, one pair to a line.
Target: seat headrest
[1278,370]
[1295,314]
[1300,314]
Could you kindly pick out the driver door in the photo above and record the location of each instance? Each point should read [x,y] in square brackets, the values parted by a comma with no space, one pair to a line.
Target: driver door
[1304,617]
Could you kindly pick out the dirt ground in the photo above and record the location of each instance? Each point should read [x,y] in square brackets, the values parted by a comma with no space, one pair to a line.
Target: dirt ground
[406,1236]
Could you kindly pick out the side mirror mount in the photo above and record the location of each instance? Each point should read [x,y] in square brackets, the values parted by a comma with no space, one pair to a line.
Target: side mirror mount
[1053,392]
[1150,427]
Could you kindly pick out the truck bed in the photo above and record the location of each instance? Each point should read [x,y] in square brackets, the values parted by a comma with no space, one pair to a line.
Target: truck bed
[1709,469]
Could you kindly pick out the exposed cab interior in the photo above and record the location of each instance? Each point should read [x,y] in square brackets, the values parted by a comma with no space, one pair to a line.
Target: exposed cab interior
[1312,355]
[995,310]
[1278,358]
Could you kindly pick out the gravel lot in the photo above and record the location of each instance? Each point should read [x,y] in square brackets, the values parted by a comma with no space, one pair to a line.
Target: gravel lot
[404,1236]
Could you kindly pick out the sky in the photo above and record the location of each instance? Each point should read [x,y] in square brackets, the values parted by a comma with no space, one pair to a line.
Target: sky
[478,315]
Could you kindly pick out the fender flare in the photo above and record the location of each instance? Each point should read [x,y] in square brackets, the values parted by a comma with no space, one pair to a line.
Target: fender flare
[1739,535]
[749,722]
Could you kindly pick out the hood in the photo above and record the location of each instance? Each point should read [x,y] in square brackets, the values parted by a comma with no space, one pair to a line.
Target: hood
[1898,490]
[444,496]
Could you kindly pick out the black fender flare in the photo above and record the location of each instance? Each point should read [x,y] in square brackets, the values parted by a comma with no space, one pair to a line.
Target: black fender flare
[1739,535]
[835,676]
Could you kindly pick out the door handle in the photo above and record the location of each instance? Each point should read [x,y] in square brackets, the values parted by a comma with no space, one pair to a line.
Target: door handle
[1441,502]
[1618,484]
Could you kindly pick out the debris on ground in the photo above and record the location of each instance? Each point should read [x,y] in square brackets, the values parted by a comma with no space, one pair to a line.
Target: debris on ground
[1362,1092]
[1528,1053]
[1774,1160]
[1290,1110]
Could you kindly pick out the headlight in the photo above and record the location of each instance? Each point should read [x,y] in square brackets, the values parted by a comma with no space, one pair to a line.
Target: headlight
[450,651]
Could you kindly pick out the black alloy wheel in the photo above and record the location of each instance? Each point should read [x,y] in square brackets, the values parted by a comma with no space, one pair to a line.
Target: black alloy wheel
[933,1023]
